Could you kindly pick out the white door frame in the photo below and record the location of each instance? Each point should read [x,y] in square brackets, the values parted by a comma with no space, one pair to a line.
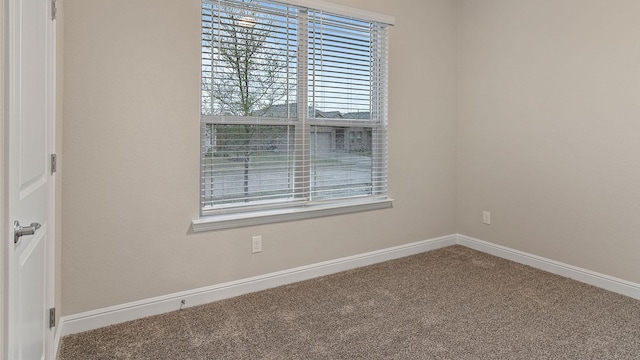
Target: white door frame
[10,43]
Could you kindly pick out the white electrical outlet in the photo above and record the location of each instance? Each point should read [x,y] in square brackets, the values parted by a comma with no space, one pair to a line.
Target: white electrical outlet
[486,217]
[256,244]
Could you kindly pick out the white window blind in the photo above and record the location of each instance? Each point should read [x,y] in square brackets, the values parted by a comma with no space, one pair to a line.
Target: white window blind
[293,107]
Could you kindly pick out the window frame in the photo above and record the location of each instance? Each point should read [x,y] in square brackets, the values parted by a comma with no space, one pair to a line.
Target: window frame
[300,207]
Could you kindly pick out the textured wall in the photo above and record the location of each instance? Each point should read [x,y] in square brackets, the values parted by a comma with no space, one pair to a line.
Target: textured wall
[131,138]
[548,129]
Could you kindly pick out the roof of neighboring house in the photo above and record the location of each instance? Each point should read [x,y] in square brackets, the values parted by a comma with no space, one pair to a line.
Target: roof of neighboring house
[361,115]
[284,110]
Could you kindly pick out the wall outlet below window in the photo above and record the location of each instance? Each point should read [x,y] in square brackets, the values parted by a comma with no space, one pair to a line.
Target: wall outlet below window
[486,217]
[256,244]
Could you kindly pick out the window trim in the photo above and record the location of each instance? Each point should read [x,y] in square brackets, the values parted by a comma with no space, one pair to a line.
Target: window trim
[303,209]
[344,10]
[261,217]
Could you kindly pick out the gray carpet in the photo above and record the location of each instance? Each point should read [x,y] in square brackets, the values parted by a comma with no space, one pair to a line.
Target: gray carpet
[452,303]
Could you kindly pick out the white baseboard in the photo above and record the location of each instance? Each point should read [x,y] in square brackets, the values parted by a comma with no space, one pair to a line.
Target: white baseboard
[573,272]
[90,320]
[72,324]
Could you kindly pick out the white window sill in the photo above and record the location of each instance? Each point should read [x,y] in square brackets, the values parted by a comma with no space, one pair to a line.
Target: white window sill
[227,221]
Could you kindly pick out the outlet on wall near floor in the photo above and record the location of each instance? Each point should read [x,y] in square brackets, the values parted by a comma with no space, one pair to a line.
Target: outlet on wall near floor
[256,244]
[486,217]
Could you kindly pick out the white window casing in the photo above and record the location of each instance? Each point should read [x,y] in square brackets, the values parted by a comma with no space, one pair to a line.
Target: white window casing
[293,111]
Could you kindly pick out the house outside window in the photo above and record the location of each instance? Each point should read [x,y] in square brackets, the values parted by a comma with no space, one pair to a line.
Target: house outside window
[281,85]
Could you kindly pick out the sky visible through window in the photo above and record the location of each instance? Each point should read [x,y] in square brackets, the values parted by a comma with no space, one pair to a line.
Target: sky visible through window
[339,57]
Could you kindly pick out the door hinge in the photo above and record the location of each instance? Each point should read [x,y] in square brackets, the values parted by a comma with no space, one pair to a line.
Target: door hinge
[54,10]
[52,317]
[54,163]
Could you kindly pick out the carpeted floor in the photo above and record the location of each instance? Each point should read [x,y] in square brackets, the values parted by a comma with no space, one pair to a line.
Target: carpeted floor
[452,303]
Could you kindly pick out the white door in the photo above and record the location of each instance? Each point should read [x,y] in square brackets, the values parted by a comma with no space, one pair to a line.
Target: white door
[29,144]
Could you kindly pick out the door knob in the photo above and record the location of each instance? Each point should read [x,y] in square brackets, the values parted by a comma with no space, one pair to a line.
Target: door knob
[19,231]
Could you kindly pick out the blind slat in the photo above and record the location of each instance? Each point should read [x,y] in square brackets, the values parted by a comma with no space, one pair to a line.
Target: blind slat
[293,106]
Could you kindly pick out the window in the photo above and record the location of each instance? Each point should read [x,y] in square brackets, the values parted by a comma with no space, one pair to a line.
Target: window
[281,85]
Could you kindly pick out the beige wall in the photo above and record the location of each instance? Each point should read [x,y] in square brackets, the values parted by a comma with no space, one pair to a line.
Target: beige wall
[549,129]
[130,181]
